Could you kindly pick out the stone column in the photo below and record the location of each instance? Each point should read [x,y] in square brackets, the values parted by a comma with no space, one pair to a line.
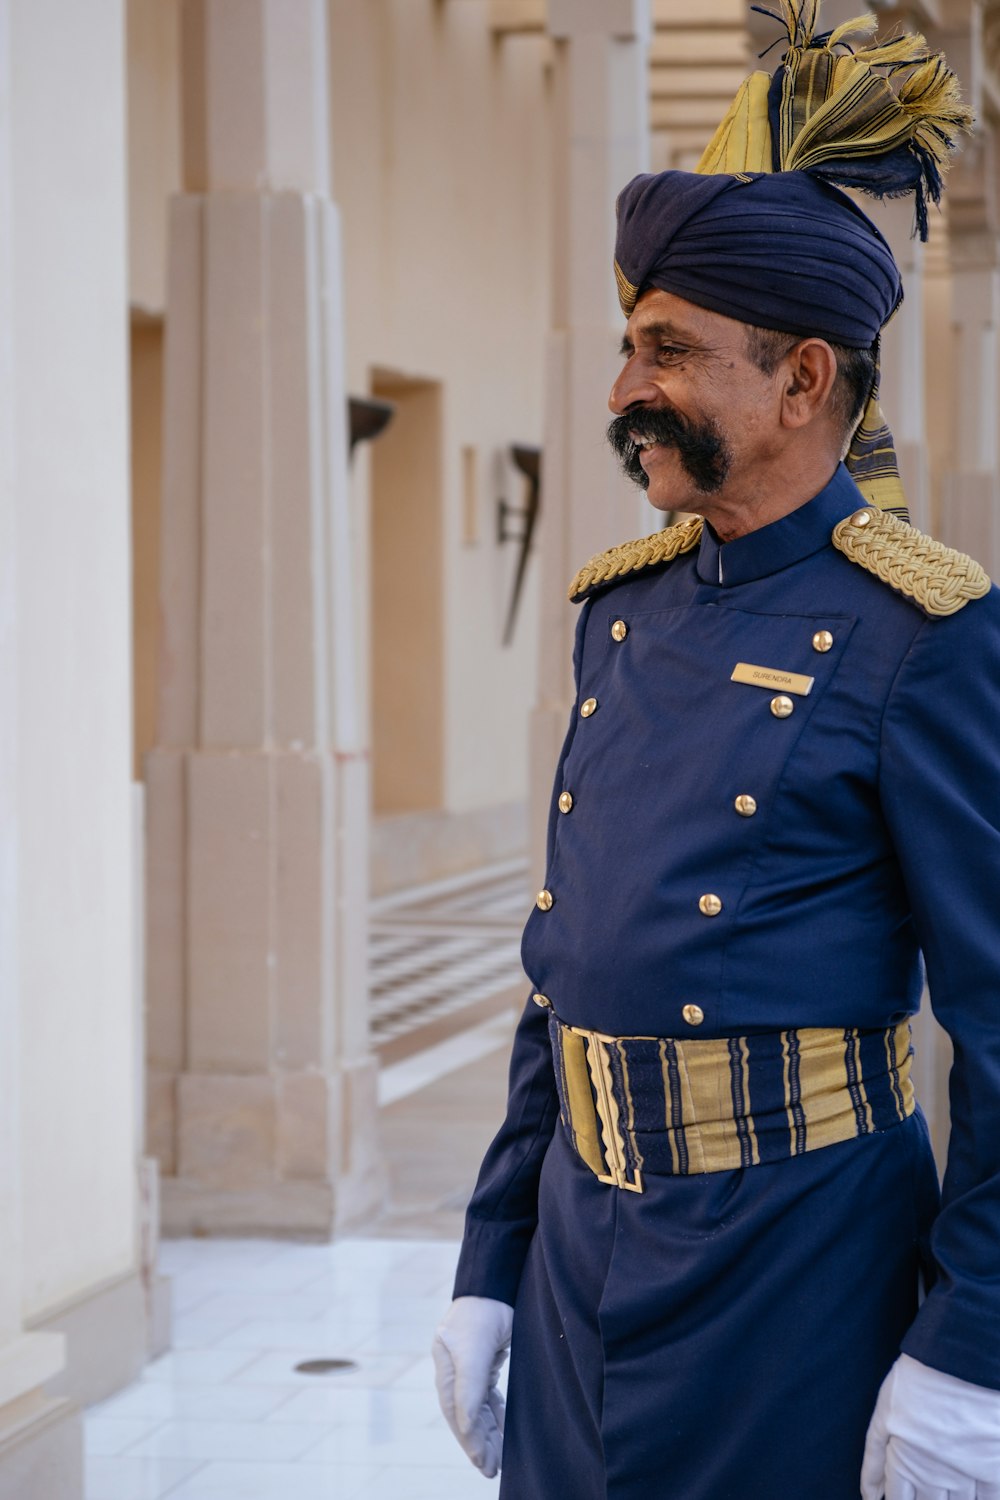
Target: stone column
[27,1360]
[970,487]
[10,1247]
[967,514]
[80,1020]
[903,356]
[601,141]
[28,1419]
[961,512]
[903,341]
[262,1087]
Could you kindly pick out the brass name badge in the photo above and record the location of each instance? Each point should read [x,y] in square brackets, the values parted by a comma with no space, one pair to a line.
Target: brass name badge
[771,677]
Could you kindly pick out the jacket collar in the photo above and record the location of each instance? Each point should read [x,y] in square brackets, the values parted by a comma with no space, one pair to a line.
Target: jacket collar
[782,543]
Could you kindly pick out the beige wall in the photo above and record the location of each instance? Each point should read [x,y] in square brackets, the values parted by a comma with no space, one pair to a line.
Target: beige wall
[441,168]
[75,877]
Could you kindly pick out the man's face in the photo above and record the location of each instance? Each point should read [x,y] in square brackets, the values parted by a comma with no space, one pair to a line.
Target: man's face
[696,421]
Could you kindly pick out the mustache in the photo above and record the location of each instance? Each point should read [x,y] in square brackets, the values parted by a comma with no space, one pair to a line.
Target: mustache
[700,446]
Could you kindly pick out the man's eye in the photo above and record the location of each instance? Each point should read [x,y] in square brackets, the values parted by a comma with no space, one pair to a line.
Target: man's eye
[670,351]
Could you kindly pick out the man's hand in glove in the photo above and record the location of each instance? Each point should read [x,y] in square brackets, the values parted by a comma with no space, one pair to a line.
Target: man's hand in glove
[933,1437]
[469,1349]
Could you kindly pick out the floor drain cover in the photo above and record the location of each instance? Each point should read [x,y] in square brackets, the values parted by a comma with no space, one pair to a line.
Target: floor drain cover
[324,1366]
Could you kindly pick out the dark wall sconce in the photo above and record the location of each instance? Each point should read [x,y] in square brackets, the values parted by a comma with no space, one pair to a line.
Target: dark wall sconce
[529,462]
[367,419]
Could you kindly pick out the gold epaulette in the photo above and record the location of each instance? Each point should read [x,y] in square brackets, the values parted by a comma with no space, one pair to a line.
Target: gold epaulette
[630,557]
[934,576]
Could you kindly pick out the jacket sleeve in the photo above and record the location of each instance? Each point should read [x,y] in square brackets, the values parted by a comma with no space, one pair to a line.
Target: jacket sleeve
[940,793]
[503,1210]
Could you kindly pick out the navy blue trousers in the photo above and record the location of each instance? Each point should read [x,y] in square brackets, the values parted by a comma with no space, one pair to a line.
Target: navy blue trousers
[718,1337]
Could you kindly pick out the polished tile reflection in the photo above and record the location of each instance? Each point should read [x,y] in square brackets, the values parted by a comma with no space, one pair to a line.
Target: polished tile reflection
[226,1416]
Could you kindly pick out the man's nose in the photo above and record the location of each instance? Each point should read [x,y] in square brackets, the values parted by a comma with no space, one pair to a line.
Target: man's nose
[632,388]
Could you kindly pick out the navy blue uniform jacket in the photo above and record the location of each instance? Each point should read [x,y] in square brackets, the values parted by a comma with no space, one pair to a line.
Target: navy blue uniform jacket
[876,839]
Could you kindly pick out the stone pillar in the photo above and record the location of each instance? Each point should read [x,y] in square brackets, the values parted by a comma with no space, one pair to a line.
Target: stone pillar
[601,141]
[10,1248]
[903,341]
[970,488]
[27,1360]
[903,356]
[262,1087]
[968,506]
[968,500]
[961,512]
[67,1144]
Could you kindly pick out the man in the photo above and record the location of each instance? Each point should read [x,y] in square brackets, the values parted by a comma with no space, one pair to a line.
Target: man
[713,1195]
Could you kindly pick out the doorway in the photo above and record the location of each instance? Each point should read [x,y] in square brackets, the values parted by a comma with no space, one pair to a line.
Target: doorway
[407,603]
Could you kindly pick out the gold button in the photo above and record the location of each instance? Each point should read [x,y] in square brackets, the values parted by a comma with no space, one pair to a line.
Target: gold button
[543,1001]
[619,630]
[693,1015]
[544,900]
[710,905]
[745,805]
[861,518]
[587,707]
[565,801]
[822,640]
[781,706]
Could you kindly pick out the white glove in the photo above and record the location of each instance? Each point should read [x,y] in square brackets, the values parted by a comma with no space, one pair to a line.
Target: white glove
[933,1437]
[470,1346]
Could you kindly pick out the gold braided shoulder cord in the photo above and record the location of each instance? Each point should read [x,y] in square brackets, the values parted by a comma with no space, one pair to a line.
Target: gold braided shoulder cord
[939,579]
[630,557]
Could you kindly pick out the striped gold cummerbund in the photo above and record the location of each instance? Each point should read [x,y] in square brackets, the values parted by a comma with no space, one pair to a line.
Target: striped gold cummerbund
[635,1104]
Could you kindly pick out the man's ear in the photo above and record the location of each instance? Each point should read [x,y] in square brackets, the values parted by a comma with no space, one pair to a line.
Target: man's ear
[808,374]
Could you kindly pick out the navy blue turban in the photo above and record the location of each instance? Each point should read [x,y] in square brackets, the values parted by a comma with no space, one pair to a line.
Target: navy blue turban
[781,250]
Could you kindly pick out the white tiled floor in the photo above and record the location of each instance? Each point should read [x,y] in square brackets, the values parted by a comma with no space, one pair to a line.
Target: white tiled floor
[225,1415]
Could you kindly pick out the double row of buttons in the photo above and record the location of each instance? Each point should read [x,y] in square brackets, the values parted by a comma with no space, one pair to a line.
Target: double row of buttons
[710,905]
[619,630]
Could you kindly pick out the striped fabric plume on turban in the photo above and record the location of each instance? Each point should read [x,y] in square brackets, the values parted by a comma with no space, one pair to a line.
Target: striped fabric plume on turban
[762,233]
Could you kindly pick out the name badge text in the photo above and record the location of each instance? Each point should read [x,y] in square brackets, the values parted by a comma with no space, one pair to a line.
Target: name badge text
[772,677]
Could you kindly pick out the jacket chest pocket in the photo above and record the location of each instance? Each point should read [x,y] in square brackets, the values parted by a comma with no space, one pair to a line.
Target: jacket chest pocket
[699,706]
